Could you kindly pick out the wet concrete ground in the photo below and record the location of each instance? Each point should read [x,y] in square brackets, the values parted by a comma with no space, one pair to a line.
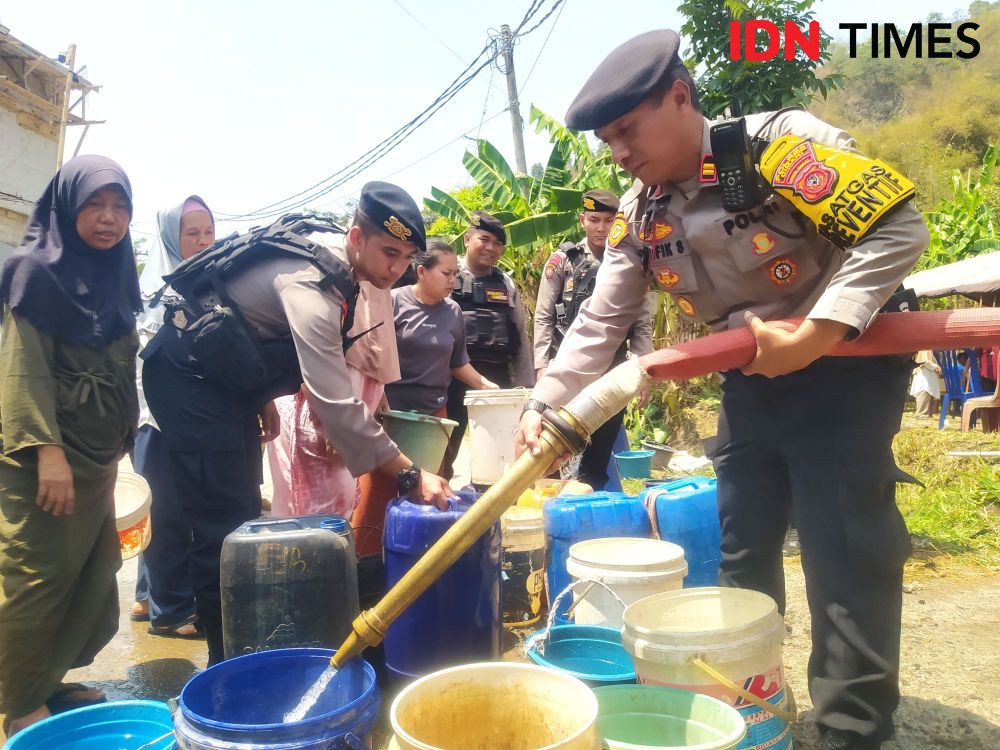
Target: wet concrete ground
[136,664]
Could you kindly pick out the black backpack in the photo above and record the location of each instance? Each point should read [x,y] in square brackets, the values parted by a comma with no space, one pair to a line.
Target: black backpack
[224,344]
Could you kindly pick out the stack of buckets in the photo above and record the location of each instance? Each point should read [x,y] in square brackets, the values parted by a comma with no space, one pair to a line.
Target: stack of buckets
[694,648]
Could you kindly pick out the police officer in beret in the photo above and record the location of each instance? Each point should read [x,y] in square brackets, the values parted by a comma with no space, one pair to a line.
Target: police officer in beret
[801,436]
[496,334]
[567,282]
[283,310]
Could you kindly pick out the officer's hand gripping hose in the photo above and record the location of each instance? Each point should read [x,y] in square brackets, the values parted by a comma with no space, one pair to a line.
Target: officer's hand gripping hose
[568,430]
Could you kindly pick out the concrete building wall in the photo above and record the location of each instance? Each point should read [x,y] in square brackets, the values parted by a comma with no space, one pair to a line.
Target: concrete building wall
[27,163]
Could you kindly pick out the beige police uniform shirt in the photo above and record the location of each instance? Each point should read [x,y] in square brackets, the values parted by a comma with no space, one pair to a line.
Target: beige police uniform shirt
[522,373]
[282,298]
[556,288]
[718,264]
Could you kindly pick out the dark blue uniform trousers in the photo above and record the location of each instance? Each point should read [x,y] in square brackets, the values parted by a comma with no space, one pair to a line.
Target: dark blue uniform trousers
[816,446]
[167,558]
[212,439]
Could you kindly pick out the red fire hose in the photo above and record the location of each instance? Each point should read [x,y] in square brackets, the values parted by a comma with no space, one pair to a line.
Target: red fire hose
[889,333]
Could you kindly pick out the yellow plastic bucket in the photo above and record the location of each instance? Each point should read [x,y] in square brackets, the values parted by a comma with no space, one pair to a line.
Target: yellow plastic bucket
[495,705]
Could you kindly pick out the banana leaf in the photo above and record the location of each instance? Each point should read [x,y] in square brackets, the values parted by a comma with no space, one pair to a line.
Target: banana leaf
[447,206]
[540,227]
[491,179]
[565,199]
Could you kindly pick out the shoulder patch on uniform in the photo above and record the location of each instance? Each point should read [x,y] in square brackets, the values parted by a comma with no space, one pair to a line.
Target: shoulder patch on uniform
[618,230]
[843,193]
[554,261]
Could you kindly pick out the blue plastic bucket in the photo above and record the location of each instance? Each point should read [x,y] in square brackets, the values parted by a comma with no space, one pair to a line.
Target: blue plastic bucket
[591,653]
[634,464]
[107,726]
[241,703]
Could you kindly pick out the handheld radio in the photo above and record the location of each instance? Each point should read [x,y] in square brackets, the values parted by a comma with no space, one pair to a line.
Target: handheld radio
[737,175]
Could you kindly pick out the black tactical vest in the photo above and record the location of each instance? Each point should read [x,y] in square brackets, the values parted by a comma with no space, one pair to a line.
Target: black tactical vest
[584,280]
[221,343]
[577,289]
[201,279]
[490,333]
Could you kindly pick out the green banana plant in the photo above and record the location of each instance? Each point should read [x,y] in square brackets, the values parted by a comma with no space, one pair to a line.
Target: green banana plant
[964,225]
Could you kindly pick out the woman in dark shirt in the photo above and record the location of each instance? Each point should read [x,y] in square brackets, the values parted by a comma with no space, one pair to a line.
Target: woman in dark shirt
[430,336]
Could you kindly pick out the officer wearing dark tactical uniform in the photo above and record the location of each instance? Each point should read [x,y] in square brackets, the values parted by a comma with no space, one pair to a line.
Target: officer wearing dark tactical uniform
[800,435]
[259,315]
[496,334]
[567,282]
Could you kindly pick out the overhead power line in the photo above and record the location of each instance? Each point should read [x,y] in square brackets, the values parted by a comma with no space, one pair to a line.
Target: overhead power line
[486,57]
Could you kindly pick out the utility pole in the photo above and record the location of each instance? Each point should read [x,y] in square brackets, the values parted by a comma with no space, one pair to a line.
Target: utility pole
[506,43]
[70,61]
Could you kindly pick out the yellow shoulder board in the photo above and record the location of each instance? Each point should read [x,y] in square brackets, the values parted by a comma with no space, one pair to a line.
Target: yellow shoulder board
[844,194]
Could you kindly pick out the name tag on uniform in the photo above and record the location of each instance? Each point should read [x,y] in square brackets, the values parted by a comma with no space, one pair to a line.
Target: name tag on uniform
[495,295]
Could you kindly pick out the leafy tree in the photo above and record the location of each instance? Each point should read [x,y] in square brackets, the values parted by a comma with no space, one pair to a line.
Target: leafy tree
[747,86]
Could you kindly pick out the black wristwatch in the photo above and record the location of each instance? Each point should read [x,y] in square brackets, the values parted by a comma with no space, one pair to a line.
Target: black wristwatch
[408,478]
[535,405]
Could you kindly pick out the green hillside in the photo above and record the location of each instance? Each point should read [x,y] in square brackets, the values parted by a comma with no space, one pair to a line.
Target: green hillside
[927,117]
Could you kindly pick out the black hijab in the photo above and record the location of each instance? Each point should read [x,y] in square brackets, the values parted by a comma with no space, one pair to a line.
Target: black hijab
[60,284]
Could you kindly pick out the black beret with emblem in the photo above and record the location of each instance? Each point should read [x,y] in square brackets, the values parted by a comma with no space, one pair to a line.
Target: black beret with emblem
[392,210]
[488,223]
[623,81]
[601,200]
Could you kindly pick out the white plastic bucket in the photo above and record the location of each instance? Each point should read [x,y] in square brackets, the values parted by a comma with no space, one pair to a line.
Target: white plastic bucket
[495,705]
[493,420]
[734,632]
[523,540]
[132,501]
[633,568]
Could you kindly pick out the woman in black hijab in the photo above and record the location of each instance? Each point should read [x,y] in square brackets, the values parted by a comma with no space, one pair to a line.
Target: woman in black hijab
[68,413]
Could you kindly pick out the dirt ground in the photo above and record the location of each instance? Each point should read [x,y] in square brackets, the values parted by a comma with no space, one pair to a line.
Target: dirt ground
[950,675]
[950,662]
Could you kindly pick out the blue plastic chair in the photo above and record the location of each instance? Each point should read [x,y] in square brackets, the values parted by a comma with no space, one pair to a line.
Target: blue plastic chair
[951,370]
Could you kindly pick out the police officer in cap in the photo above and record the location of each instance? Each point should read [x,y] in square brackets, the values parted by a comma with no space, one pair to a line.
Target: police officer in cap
[567,282]
[496,335]
[800,435]
[281,310]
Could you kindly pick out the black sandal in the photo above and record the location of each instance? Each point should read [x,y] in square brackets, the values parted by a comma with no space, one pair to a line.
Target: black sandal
[170,631]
